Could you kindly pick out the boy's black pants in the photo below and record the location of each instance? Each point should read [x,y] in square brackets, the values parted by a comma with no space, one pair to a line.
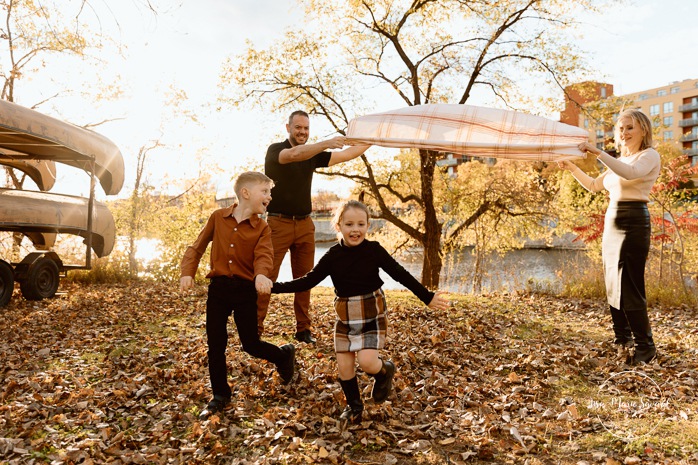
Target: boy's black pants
[239,297]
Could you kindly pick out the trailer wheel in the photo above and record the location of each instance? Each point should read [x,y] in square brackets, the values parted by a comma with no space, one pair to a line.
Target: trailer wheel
[41,281]
[7,283]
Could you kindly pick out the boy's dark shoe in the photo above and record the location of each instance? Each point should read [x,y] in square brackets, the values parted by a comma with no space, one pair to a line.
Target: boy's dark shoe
[288,366]
[383,382]
[305,336]
[216,405]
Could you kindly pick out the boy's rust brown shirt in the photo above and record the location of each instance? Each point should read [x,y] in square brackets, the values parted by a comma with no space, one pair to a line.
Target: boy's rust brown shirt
[239,249]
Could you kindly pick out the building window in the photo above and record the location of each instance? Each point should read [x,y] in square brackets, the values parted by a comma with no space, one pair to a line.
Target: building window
[654,109]
[668,107]
[603,92]
[599,133]
[668,135]
[668,120]
[644,96]
[586,124]
[661,92]
[675,90]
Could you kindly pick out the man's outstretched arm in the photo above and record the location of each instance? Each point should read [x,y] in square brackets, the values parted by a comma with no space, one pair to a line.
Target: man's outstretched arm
[347,154]
[307,151]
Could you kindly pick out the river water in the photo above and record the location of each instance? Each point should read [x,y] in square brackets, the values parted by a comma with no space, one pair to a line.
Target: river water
[516,270]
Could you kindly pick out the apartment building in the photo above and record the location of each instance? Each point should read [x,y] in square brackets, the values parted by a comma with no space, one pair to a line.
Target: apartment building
[673,109]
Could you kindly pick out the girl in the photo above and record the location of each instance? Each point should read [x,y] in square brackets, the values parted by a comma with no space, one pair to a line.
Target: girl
[360,330]
[626,235]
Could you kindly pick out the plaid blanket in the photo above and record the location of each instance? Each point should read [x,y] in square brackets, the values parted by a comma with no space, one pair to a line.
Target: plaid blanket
[470,130]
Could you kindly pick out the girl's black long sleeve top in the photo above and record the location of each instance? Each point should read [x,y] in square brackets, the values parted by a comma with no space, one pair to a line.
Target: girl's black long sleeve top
[354,271]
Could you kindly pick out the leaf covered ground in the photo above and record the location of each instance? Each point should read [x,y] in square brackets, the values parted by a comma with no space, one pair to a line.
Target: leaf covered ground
[117,374]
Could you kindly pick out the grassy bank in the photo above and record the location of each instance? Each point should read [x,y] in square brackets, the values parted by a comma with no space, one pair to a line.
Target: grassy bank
[117,374]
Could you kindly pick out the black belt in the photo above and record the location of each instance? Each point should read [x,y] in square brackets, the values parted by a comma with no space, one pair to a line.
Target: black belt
[232,279]
[288,217]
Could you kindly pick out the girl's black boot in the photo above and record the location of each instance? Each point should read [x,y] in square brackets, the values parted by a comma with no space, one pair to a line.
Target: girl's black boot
[355,407]
[383,381]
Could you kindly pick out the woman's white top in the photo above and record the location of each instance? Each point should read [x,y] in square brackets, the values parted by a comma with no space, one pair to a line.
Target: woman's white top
[628,178]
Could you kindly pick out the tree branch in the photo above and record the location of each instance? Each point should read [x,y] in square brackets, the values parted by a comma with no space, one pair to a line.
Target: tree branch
[477,69]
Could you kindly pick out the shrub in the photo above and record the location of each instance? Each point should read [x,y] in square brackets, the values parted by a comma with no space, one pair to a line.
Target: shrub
[111,269]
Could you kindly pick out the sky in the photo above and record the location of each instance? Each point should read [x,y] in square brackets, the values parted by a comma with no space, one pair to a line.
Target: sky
[640,45]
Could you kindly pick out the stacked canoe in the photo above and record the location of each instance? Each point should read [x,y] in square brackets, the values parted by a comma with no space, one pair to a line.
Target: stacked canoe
[34,144]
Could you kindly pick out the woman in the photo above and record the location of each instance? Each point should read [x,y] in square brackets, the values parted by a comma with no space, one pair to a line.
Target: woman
[626,236]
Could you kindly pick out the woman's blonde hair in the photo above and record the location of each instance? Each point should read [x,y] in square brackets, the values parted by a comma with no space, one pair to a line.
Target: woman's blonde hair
[639,119]
[341,210]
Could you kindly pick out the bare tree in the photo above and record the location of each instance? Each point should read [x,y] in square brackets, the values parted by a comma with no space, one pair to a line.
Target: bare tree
[363,54]
[33,33]
[136,206]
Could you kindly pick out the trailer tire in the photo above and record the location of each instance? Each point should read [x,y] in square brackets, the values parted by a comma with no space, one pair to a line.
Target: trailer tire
[41,281]
[7,283]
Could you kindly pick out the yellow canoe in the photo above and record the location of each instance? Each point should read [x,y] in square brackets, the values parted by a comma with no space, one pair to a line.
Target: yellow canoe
[36,213]
[42,172]
[27,134]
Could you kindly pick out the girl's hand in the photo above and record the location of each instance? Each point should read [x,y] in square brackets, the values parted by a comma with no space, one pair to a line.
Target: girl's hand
[439,302]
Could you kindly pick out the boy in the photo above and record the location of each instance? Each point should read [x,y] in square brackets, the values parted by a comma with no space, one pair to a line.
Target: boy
[241,259]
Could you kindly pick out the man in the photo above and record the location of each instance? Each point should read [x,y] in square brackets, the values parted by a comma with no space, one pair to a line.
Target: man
[291,164]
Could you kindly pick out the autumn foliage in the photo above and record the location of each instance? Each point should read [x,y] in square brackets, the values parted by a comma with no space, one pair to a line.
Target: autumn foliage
[117,374]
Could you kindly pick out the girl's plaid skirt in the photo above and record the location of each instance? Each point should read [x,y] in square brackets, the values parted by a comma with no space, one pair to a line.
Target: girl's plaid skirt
[361,323]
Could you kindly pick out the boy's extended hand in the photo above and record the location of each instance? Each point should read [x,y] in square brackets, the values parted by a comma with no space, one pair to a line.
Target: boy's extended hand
[263,284]
[186,283]
[439,302]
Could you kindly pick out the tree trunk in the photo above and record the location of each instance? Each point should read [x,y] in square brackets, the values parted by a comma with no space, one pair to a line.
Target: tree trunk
[132,262]
[133,222]
[137,204]
[479,260]
[433,262]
